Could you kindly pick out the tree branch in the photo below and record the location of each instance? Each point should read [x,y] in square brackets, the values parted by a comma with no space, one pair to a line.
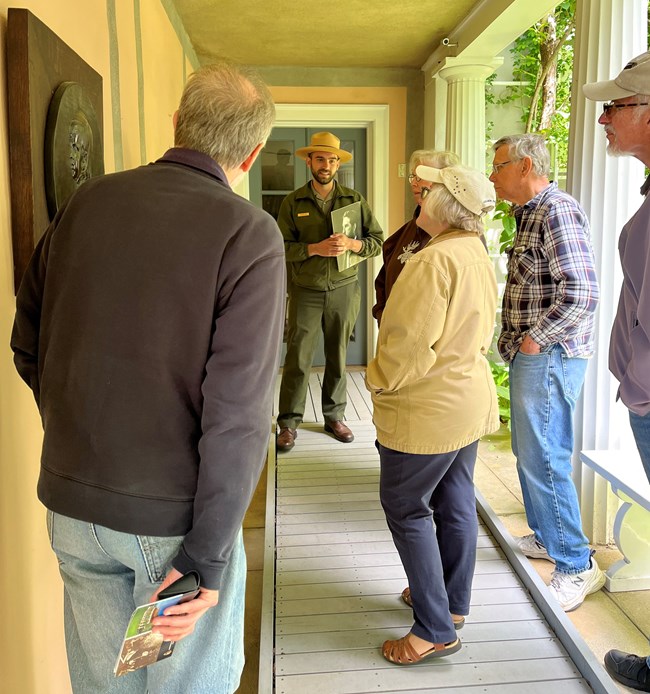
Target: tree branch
[541,76]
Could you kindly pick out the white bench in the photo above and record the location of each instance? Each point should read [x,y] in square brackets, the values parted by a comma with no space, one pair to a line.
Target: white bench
[624,471]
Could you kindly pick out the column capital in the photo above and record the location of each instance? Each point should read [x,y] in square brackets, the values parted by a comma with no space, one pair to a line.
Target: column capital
[465,132]
[477,68]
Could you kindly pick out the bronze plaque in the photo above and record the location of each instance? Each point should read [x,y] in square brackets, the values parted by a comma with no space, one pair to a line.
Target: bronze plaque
[38,62]
[73,144]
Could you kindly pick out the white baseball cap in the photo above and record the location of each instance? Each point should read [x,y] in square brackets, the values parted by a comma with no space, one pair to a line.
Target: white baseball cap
[471,188]
[633,79]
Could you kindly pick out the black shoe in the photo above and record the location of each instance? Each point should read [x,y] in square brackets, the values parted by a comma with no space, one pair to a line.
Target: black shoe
[286,439]
[628,669]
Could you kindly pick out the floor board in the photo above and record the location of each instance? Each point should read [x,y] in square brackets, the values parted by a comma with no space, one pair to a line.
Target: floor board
[338,580]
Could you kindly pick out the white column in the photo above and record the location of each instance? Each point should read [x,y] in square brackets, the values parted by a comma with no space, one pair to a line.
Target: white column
[466,106]
[435,109]
[608,34]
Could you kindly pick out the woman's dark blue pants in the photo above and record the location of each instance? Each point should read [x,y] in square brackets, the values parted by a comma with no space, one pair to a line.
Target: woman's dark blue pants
[431,512]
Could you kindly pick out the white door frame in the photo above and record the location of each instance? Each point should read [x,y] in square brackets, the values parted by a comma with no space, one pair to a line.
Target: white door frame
[375,119]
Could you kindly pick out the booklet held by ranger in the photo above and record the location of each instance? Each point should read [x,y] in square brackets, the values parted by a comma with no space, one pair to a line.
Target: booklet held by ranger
[347,220]
[141,646]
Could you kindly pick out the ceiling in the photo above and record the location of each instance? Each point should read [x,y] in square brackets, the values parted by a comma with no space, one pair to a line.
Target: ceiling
[339,33]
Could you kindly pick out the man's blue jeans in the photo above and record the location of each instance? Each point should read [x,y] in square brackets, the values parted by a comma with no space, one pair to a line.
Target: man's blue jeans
[641,430]
[106,574]
[543,392]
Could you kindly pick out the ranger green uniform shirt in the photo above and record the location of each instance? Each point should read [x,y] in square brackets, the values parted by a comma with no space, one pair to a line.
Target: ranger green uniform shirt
[302,221]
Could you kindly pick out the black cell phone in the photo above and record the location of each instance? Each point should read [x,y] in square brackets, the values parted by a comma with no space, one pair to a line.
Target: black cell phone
[187,586]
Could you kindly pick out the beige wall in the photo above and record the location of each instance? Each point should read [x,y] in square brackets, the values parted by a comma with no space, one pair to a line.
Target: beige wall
[162,63]
[32,658]
[129,125]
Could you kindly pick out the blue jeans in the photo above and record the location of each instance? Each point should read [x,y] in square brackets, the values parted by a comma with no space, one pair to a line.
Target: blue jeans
[105,575]
[438,559]
[543,392]
[641,430]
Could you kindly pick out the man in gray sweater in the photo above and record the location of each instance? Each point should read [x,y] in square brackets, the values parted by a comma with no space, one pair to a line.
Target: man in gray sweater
[626,120]
[148,326]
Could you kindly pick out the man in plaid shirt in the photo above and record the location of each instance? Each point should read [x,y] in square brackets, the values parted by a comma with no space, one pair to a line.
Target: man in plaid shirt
[547,330]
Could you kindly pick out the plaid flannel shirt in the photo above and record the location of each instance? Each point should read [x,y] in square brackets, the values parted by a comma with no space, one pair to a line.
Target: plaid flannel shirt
[551,291]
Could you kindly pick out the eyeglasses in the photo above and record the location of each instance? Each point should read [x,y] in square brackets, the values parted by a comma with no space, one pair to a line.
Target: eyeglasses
[497,167]
[424,192]
[607,107]
[413,177]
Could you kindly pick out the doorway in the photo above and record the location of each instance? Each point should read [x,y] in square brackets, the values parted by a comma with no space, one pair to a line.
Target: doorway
[278,172]
[375,118]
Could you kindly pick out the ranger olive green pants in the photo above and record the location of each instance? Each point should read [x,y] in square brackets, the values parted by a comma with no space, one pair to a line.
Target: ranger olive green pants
[335,313]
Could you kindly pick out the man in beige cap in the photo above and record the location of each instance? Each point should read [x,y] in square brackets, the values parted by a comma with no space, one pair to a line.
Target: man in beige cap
[626,119]
[321,296]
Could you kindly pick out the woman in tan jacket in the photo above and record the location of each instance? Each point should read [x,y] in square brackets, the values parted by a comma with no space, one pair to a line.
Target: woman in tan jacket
[433,398]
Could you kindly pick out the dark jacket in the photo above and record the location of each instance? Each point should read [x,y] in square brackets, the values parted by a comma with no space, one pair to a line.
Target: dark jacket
[397,249]
[148,326]
[302,222]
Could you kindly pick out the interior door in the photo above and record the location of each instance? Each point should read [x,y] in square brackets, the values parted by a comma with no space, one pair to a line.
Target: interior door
[278,171]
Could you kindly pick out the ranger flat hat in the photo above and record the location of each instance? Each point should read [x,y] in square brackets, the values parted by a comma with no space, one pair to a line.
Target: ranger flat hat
[324,142]
[633,79]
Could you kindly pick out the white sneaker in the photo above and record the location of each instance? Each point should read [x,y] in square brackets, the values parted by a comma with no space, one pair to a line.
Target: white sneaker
[532,548]
[570,590]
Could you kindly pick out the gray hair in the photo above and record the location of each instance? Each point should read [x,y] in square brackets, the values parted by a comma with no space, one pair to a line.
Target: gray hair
[441,205]
[527,145]
[431,157]
[641,113]
[226,110]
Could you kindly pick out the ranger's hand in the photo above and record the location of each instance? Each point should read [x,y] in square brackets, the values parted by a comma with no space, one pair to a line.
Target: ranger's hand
[330,247]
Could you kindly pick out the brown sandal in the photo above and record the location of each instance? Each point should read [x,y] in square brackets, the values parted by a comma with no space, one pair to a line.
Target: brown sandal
[401,652]
[458,620]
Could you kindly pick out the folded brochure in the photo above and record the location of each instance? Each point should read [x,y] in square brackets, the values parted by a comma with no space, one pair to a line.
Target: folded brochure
[141,646]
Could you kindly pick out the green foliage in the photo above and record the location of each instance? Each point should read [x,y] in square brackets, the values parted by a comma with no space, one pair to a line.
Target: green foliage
[489,89]
[501,381]
[529,69]
[503,213]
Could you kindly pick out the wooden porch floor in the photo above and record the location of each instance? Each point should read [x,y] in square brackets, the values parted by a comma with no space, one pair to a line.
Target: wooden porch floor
[333,581]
